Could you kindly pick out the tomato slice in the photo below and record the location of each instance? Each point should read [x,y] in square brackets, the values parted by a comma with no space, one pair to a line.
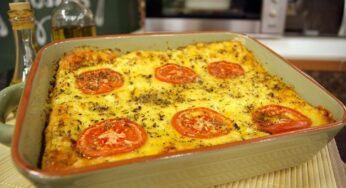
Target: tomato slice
[224,69]
[277,119]
[111,137]
[99,81]
[201,123]
[175,74]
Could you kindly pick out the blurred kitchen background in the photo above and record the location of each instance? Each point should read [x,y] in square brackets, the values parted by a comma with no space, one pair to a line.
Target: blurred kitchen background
[310,34]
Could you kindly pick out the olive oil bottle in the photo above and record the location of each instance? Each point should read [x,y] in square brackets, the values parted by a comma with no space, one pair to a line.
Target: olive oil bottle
[72,19]
[21,17]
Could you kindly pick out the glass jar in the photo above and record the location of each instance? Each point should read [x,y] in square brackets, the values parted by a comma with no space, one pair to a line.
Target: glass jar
[72,19]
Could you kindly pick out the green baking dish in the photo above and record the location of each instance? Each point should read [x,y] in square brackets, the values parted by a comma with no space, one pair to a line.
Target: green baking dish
[196,168]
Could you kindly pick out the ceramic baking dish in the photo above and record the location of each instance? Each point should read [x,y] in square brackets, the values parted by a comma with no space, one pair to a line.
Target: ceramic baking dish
[194,168]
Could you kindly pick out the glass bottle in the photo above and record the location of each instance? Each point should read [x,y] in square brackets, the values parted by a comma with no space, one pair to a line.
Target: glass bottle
[22,20]
[72,19]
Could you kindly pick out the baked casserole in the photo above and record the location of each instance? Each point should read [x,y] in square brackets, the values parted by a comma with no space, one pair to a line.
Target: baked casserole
[109,106]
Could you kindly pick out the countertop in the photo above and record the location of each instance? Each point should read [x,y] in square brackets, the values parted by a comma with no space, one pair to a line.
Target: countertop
[308,48]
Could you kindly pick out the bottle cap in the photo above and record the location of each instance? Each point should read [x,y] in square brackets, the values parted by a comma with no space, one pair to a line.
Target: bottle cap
[21,15]
[20,6]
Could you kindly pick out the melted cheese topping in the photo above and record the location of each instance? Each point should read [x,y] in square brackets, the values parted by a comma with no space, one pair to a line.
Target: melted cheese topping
[152,103]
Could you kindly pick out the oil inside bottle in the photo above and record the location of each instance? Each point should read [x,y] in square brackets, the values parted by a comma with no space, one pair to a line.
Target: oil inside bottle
[59,33]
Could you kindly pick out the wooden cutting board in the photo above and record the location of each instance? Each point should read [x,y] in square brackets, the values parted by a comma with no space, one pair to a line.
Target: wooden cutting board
[324,170]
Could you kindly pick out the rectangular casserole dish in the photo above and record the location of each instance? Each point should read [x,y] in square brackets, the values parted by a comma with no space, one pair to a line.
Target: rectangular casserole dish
[197,168]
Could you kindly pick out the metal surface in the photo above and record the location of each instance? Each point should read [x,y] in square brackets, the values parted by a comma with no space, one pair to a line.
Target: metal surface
[271,23]
[342,30]
[189,24]
[273,16]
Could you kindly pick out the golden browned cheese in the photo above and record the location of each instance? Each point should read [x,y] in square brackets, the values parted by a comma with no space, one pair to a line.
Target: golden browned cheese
[151,103]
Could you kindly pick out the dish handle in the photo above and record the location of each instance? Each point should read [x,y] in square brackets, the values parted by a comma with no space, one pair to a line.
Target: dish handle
[9,100]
